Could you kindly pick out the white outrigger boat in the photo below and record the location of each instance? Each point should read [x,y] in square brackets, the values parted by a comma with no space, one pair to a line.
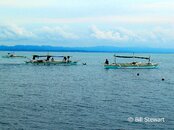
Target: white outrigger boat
[10,55]
[50,60]
[131,65]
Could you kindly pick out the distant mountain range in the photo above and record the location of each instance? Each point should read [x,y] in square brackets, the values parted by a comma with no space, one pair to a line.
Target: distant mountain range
[85,49]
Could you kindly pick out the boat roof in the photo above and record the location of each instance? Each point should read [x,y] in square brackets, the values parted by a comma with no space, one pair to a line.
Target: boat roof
[139,57]
[48,56]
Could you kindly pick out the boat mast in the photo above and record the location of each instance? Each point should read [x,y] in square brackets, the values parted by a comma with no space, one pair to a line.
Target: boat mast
[115,59]
[133,57]
[149,59]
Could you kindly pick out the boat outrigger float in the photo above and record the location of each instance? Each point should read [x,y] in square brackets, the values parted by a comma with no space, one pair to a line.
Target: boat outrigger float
[131,65]
[50,60]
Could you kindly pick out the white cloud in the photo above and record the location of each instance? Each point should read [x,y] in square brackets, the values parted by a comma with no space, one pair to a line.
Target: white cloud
[155,36]
[159,35]
[59,32]
[120,34]
[14,32]
[151,37]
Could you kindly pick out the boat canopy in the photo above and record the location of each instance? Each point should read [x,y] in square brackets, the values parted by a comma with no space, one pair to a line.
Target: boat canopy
[139,57]
[46,56]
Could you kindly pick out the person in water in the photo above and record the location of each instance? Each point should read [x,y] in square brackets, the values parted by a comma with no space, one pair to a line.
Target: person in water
[106,62]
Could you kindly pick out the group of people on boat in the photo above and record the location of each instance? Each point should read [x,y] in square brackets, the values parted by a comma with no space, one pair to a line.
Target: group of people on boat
[48,57]
[66,58]
[40,61]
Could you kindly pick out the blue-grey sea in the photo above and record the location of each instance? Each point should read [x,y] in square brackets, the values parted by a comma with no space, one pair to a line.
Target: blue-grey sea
[86,97]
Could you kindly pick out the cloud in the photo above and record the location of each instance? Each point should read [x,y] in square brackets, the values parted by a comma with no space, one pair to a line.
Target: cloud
[45,35]
[159,35]
[154,37]
[65,36]
[14,32]
[115,35]
[59,32]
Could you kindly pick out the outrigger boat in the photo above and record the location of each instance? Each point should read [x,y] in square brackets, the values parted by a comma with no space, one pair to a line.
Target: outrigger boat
[50,60]
[131,65]
[10,55]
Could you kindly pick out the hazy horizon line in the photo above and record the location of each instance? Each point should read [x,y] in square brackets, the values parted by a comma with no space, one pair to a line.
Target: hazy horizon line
[104,49]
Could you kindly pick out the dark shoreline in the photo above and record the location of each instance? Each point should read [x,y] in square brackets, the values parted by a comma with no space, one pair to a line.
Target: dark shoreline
[95,49]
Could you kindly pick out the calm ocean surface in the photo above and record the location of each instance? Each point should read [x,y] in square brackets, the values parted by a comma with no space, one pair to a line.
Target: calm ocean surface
[85,97]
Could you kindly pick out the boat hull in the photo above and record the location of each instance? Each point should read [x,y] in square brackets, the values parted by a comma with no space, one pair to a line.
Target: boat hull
[13,56]
[52,63]
[131,66]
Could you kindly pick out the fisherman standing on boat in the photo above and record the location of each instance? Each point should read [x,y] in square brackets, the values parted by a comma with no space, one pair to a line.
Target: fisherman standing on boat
[64,58]
[34,57]
[68,58]
[52,59]
[106,62]
[10,55]
[48,58]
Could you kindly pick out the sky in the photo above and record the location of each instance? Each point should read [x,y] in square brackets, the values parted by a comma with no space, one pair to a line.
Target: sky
[72,23]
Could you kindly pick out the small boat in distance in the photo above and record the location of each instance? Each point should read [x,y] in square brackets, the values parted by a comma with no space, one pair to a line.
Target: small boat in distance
[10,55]
[49,60]
[131,65]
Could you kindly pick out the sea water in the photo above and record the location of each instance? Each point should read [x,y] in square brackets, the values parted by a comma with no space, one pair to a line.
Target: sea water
[86,97]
